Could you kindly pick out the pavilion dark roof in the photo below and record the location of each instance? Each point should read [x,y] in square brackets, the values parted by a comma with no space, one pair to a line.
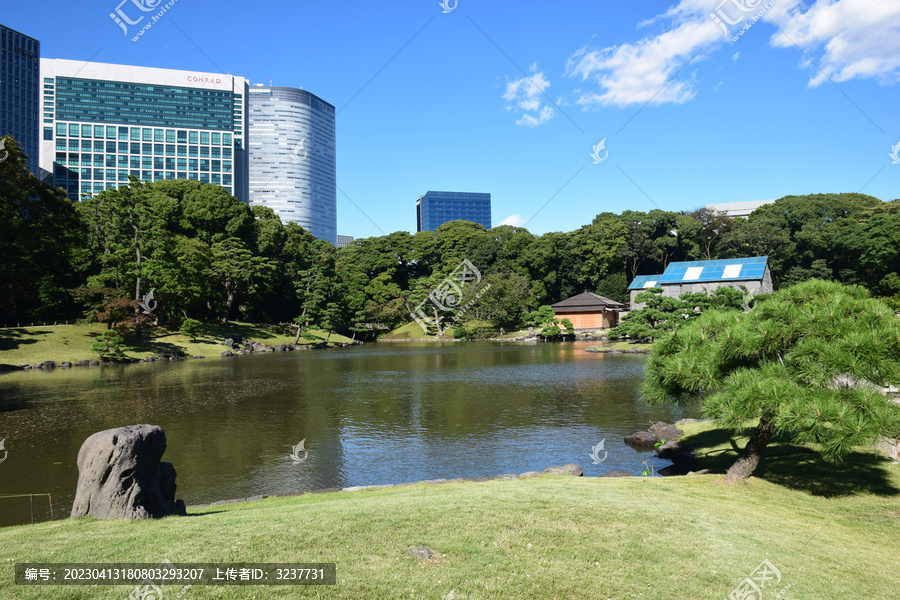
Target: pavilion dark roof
[585,302]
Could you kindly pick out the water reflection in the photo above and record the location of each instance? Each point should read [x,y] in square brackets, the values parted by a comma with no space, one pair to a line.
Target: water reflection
[374,414]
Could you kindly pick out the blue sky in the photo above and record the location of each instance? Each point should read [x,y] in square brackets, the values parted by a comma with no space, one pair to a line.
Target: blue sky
[511,97]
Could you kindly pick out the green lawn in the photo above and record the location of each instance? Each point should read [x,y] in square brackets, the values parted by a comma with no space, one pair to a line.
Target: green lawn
[73,342]
[411,331]
[832,534]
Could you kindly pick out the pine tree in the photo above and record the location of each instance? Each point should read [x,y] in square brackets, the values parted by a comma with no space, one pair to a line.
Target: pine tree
[809,361]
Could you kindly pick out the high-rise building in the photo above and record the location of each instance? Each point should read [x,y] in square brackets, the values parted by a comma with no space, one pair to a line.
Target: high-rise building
[103,122]
[436,208]
[292,158]
[20,58]
[344,240]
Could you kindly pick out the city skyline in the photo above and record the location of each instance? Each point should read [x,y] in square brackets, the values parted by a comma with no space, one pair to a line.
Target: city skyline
[435,208]
[103,123]
[562,112]
[292,157]
[20,91]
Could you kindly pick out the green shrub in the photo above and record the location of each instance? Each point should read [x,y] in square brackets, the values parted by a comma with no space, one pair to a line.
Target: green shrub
[191,328]
[108,345]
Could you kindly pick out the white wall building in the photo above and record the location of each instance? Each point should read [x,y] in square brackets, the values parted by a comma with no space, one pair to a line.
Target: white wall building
[104,122]
[738,209]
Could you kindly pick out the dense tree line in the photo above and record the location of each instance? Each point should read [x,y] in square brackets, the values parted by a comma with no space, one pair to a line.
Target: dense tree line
[208,256]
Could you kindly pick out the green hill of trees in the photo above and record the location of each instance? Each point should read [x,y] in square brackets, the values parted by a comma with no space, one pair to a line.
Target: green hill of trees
[208,256]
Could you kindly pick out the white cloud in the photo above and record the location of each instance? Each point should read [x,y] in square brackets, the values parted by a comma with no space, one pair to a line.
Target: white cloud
[526,95]
[858,38]
[647,70]
[848,38]
[543,116]
[514,220]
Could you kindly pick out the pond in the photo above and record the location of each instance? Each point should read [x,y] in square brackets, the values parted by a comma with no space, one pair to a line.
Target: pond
[373,414]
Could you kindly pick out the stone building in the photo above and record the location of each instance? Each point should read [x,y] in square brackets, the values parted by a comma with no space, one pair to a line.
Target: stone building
[751,274]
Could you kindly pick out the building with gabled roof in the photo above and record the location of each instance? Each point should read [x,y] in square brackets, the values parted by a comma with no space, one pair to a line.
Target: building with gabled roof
[706,276]
[589,311]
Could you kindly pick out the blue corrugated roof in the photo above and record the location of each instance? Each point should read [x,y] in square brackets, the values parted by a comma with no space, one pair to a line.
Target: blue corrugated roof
[729,269]
[641,281]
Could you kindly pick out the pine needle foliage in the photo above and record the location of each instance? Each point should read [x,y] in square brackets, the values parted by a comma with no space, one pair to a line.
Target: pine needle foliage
[811,361]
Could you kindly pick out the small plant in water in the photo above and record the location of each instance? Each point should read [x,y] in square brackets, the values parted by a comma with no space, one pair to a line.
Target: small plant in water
[648,470]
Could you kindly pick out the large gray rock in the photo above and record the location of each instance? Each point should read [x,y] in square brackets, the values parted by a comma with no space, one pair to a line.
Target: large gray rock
[120,475]
[658,432]
[569,469]
[665,431]
[641,438]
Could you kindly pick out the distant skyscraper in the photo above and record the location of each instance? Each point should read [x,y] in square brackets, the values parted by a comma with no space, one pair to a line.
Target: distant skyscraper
[20,72]
[105,122]
[344,240]
[436,208]
[292,158]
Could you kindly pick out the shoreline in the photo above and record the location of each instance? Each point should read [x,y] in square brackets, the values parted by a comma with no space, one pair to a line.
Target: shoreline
[251,347]
[228,352]
[569,470]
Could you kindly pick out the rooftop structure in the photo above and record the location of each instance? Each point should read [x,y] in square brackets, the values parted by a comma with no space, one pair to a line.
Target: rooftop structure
[589,311]
[738,209]
[707,275]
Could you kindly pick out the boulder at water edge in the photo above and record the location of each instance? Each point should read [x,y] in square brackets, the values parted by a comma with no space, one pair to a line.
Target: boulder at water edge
[120,475]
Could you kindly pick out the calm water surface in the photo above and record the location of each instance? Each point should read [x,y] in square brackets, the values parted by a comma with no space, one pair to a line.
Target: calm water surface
[379,413]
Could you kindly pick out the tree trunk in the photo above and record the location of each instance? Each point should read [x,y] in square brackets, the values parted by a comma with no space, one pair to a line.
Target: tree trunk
[744,466]
[229,289]
[299,332]
[138,333]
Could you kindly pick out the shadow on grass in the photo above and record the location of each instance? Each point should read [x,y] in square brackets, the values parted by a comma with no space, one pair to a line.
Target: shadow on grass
[154,347]
[11,339]
[797,467]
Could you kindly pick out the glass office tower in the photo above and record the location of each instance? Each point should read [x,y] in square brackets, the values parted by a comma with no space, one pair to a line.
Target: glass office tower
[19,91]
[103,122]
[292,158]
[436,208]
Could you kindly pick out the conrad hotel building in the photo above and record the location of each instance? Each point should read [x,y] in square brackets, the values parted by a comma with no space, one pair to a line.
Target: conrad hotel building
[102,123]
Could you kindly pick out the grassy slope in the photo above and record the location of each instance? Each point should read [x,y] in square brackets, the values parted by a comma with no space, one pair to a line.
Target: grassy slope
[832,534]
[414,331]
[626,345]
[73,342]
[410,331]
